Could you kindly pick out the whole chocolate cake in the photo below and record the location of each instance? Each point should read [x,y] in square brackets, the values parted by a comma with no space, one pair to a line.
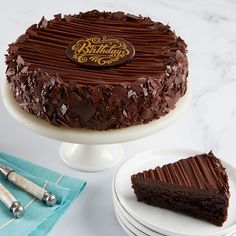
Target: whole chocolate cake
[196,186]
[98,70]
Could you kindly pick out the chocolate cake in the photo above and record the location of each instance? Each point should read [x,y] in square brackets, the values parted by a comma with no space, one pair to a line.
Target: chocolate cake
[97,70]
[196,186]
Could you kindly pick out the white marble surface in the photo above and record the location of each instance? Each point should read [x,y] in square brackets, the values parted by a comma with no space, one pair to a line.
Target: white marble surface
[208,27]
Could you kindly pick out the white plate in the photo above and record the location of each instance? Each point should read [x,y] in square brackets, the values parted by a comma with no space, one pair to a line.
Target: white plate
[125,228]
[164,221]
[123,216]
[132,224]
[128,225]
[129,218]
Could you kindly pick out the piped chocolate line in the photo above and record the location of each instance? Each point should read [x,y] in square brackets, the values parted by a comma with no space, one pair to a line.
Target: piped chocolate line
[201,171]
[45,47]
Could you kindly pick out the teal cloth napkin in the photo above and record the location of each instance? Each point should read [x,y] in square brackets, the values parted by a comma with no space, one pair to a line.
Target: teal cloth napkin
[38,218]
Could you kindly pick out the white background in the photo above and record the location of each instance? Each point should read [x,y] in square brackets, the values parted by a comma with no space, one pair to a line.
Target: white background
[209,29]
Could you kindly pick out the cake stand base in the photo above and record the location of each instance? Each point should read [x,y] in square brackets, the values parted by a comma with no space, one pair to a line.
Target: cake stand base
[85,157]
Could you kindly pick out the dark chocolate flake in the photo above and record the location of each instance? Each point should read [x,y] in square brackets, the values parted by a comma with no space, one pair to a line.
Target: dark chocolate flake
[131,93]
[125,113]
[58,16]
[68,18]
[24,69]
[133,17]
[10,72]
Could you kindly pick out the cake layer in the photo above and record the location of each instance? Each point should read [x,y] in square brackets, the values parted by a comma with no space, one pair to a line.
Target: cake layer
[196,186]
[199,204]
[46,83]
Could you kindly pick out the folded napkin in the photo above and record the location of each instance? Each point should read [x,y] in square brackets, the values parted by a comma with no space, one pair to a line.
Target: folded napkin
[38,218]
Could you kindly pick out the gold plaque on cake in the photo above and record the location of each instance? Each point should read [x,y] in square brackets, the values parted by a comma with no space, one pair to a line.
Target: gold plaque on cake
[100,51]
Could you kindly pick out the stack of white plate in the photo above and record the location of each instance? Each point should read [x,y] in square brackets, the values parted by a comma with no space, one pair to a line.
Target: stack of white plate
[138,218]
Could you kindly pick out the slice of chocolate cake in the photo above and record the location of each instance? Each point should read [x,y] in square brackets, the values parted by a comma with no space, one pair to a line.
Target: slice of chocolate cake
[196,186]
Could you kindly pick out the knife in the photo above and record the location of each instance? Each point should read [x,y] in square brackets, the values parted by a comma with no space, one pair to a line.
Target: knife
[33,189]
[11,203]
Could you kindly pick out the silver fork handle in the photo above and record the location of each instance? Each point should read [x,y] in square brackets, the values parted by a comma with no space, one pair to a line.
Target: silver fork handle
[11,203]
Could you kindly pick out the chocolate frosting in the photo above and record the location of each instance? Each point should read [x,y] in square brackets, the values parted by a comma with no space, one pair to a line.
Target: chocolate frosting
[47,84]
[204,172]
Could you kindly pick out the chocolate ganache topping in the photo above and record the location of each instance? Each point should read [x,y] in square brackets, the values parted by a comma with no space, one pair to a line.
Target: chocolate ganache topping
[143,87]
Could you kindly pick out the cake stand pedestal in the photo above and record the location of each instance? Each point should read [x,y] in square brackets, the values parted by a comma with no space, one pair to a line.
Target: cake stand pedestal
[88,150]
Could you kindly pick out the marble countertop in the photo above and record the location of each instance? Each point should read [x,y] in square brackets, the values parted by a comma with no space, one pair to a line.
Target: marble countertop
[209,29]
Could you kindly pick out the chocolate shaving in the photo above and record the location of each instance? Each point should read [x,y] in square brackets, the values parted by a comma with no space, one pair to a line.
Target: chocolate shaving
[43,23]
[58,16]
[20,60]
[68,18]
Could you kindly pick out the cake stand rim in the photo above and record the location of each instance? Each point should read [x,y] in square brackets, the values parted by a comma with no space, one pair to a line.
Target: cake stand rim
[86,136]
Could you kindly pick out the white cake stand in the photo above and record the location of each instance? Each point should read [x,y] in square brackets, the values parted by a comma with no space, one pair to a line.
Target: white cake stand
[88,150]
